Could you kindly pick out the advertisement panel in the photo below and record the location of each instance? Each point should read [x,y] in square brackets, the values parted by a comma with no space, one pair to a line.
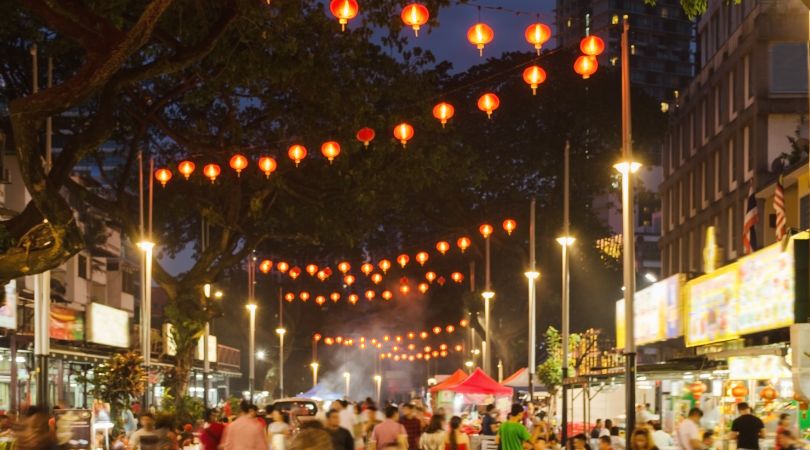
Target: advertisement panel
[657,312]
[8,310]
[107,325]
[212,348]
[712,307]
[760,367]
[66,324]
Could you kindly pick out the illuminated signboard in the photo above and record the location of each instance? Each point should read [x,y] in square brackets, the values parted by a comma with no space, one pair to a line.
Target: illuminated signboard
[107,325]
[657,312]
[712,307]
[760,367]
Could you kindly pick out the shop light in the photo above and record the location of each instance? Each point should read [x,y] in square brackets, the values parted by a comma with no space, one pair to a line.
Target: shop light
[20,359]
[651,277]
[705,376]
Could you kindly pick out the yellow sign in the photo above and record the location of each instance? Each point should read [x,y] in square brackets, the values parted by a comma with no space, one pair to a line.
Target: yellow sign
[657,312]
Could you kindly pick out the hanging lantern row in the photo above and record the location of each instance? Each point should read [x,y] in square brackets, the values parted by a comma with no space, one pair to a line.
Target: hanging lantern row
[591,47]
[398,339]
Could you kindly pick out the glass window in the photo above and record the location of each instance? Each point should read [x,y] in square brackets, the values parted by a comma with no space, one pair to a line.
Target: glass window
[732,98]
[788,67]
[704,187]
[81,264]
[748,76]
[732,165]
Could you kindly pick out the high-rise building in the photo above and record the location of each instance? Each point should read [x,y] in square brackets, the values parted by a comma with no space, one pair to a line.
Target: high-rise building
[740,123]
[660,38]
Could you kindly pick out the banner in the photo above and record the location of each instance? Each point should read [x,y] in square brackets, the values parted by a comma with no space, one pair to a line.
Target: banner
[107,325]
[66,324]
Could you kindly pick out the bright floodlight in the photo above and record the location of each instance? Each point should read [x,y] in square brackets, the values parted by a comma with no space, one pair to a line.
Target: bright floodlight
[260,355]
[532,274]
[314,365]
[146,245]
[207,290]
[346,374]
[377,378]
[623,166]
[469,364]
[251,307]
[566,241]
[281,331]
[487,295]
[218,294]
[650,277]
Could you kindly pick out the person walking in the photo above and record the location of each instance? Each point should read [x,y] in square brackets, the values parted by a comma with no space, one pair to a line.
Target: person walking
[661,438]
[488,421]
[389,431]
[341,438]
[245,433]
[347,416]
[311,436]
[605,431]
[642,440]
[412,425]
[211,434]
[596,430]
[434,436]
[747,428]
[784,424]
[688,433]
[278,431]
[512,434]
[456,439]
[145,437]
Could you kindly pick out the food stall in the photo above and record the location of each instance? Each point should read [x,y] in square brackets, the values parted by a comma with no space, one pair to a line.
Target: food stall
[440,396]
[479,389]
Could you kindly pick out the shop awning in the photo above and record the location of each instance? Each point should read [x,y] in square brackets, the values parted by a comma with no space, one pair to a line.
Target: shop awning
[452,380]
[480,383]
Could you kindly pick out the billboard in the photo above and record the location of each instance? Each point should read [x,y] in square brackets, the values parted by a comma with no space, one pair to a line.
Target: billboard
[657,312]
[107,325]
[66,324]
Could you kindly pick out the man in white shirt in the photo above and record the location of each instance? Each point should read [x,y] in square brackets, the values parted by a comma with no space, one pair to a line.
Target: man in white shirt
[348,419]
[606,430]
[661,438]
[688,434]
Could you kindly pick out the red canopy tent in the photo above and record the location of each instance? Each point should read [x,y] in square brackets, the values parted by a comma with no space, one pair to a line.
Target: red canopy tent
[480,383]
[452,380]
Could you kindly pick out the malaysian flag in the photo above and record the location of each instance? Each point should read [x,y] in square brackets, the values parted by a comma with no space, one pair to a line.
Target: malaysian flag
[779,207]
[750,224]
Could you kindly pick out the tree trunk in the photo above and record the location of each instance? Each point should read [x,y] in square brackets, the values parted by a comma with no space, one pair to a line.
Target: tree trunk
[182,370]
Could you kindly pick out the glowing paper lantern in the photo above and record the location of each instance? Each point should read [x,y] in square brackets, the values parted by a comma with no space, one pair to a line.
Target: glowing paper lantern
[322,275]
[480,35]
[423,287]
[344,267]
[437,330]
[457,277]
[349,279]
[441,281]
[443,347]
[297,153]
[423,335]
[422,258]
[268,165]
[320,300]
[328,341]
[450,328]
[430,276]
[238,163]
[586,66]
[534,76]
[265,266]
[442,247]
[295,272]
[415,15]
[344,11]
[304,295]
[311,269]
[353,298]
[367,268]
[739,391]
[485,230]
[163,176]
[411,335]
[697,389]
[403,132]
[365,135]
[186,168]
[458,348]
[282,266]
[370,295]
[768,394]
[404,289]
[334,296]
[443,112]
[509,226]
[427,349]
[376,278]
[289,296]
[387,295]
[403,260]
[538,34]
[330,150]
[211,171]
[384,265]
[488,103]
[592,45]
[463,323]
[463,243]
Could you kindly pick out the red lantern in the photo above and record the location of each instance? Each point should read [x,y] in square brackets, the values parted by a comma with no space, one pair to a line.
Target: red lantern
[370,295]
[443,353]
[297,153]
[384,265]
[697,389]
[441,281]
[344,10]
[430,276]
[480,35]
[463,323]
[289,296]
[403,260]
[265,266]
[328,341]
[423,287]
[367,268]
[344,267]
[282,266]
[353,298]
[442,247]
[295,272]
[186,168]
[739,391]
[463,243]
[211,171]
[586,66]
[316,337]
[592,45]
[534,76]
[267,165]
[238,163]
[450,328]
[387,295]
[488,103]
[330,150]
[304,295]
[422,258]
[403,132]
[457,277]
[376,278]
[415,15]
[538,34]
[437,330]
[320,300]
[423,335]
[768,394]
[443,111]
[404,289]
[458,348]
[485,230]
[163,176]
[334,296]
[365,135]
[443,347]
[322,275]
[311,269]
[349,279]
[509,226]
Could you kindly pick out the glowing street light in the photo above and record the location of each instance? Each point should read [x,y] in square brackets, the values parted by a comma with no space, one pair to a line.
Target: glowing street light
[251,307]
[314,367]
[281,331]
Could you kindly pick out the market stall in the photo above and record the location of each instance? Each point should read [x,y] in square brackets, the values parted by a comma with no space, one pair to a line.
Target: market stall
[440,396]
[479,389]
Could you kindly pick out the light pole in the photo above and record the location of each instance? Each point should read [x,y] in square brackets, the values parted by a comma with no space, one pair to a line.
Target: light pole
[146,311]
[206,337]
[314,367]
[378,382]
[251,349]
[281,331]
[565,241]
[532,275]
[486,232]
[348,378]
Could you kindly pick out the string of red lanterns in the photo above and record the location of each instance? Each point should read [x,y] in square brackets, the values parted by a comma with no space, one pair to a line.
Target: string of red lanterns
[448,328]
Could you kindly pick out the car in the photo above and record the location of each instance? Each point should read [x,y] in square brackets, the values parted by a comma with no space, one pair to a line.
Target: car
[297,410]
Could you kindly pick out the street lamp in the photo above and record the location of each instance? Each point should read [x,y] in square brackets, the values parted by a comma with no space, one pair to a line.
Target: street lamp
[251,349]
[314,367]
[206,336]
[260,355]
[565,242]
[532,276]
[378,383]
[146,309]
[649,276]
[486,231]
[348,378]
[281,331]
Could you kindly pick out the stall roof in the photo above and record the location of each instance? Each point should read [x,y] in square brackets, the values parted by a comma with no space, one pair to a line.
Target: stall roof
[452,380]
[479,383]
[520,379]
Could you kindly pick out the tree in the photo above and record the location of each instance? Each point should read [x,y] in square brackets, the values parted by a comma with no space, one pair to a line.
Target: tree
[549,372]
[118,381]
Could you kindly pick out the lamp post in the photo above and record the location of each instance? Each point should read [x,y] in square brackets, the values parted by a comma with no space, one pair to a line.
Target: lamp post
[146,311]
[486,232]
[206,334]
[532,275]
[314,367]
[348,377]
[251,349]
[565,241]
[281,331]
[378,383]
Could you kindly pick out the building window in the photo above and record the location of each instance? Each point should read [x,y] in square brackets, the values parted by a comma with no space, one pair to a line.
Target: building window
[691,201]
[732,166]
[717,172]
[748,80]
[704,187]
[693,252]
[732,98]
[804,212]
[748,155]
[707,118]
[717,102]
[788,67]
[681,200]
[731,233]
[128,285]
[671,208]
[693,131]
[81,264]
